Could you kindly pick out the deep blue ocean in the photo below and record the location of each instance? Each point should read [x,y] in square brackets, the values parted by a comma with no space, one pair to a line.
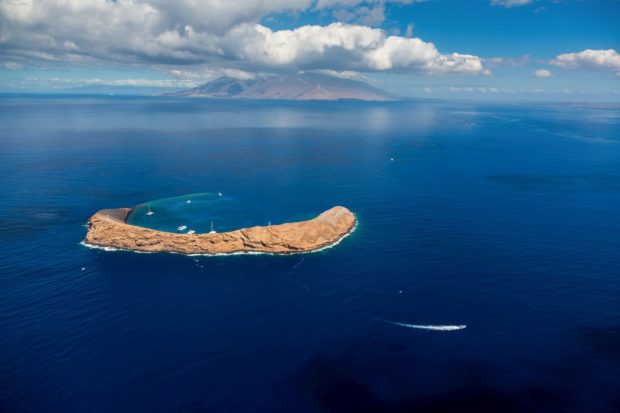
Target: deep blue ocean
[501,217]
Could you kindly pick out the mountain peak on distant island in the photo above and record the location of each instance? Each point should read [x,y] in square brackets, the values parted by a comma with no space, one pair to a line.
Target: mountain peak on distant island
[304,86]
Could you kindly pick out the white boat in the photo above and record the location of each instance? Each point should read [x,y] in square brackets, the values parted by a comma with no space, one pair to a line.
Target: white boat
[149,213]
[212,230]
[219,194]
[182,228]
[189,201]
[191,231]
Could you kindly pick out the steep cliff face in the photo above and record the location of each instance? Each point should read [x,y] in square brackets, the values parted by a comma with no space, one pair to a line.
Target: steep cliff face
[107,228]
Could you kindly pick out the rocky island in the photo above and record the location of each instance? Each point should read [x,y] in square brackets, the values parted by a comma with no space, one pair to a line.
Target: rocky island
[108,228]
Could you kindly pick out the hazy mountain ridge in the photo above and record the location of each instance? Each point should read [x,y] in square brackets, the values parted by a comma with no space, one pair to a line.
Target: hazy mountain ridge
[306,86]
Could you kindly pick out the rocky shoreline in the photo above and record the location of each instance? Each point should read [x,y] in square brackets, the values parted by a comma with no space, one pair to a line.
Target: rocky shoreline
[108,229]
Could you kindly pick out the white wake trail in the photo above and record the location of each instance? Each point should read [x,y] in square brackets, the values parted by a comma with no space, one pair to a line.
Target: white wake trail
[427,327]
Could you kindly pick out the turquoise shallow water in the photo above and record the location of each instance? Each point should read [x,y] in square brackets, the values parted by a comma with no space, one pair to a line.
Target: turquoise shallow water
[199,211]
[193,212]
[503,218]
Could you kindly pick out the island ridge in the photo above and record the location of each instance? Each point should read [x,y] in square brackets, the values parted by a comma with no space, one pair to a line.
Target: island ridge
[108,228]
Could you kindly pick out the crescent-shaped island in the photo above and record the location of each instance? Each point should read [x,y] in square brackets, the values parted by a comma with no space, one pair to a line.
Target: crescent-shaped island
[108,228]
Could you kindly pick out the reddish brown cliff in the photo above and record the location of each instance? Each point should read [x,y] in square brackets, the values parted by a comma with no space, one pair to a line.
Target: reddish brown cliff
[108,228]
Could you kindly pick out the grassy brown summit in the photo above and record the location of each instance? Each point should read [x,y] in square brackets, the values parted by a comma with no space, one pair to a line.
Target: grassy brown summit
[108,228]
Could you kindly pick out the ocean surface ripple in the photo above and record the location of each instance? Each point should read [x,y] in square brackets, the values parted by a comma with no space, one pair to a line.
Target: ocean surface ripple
[501,216]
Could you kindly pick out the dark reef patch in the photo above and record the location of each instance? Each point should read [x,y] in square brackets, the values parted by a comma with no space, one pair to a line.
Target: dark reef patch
[602,341]
[334,389]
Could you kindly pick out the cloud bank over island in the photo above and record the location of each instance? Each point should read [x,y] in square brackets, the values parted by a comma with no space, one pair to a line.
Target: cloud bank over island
[409,46]
[222,34]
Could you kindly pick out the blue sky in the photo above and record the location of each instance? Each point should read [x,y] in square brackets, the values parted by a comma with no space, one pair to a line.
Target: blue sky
[504,49]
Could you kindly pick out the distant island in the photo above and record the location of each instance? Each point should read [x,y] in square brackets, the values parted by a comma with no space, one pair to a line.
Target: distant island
[304,86]
[108,228]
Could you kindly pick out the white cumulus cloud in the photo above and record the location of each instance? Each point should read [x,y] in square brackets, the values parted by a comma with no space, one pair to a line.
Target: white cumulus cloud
[589,59]
[510,3]
[542,73]
[11,66]
[221,34]
[343,47]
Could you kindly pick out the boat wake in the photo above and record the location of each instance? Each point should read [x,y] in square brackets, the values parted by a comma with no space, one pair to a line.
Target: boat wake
[432,327]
